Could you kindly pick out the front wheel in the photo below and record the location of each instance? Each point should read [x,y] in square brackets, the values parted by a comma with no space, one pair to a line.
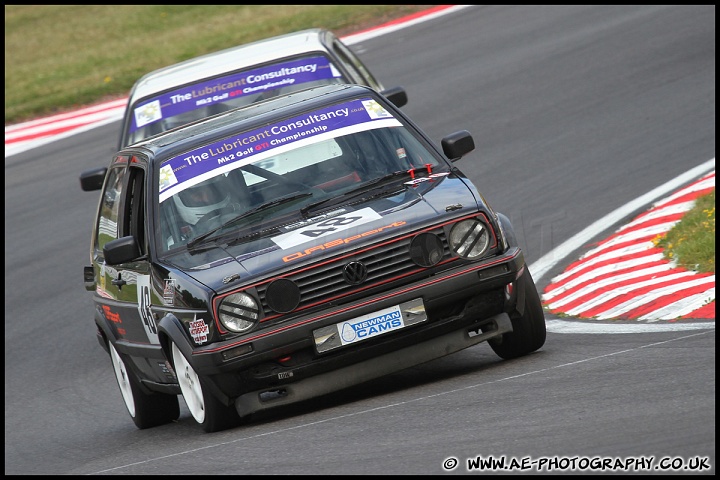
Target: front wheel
[207,410]
[528,322]
[146,410]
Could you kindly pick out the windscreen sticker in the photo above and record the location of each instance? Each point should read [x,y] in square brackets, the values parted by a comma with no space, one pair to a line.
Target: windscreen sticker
[195,166]
[429,178]
[325,227]
[222,89]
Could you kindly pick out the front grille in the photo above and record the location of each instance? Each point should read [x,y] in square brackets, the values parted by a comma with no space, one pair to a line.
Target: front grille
[384,263]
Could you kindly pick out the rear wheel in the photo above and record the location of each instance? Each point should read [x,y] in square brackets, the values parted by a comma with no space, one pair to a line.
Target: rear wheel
[205,408]
[529,329]
[146,409]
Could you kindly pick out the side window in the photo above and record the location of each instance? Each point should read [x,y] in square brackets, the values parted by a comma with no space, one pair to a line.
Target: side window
[122,209]
[134,221]
[108,220]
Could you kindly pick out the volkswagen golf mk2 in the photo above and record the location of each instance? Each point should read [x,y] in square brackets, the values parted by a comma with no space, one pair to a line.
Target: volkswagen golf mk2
[292,248]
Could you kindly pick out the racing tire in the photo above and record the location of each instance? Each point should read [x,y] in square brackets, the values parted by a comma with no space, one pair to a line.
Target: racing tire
[529,330]
[205,408]
[146,409]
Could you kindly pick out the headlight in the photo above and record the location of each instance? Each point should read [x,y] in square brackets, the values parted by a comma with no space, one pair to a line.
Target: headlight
[426,249]
[238,312]
[469,239]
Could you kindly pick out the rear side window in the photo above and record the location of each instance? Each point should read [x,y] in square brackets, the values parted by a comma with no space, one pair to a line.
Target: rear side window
[354,64]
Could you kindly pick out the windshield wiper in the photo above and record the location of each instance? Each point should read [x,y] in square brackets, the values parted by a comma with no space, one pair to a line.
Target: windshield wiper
[362,190]
[264,206]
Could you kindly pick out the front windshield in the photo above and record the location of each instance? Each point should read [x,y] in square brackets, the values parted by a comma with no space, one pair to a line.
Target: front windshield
[289,171]
[208,97]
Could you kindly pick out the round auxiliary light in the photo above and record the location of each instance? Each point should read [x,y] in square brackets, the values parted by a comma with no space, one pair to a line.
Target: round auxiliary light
[238,312]
[282,295]
[469,239]
[426,249]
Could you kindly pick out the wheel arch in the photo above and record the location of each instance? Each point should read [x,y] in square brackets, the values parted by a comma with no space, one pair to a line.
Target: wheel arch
[170,330]
[508,229]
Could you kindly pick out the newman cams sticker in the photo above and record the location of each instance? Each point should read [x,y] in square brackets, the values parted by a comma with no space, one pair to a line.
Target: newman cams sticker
[370,325]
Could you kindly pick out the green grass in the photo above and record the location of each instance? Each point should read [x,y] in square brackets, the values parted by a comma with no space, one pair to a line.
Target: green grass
[58,58]
[691,242]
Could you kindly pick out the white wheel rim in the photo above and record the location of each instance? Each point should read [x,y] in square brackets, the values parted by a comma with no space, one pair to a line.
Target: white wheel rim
[123,381]
[189,385]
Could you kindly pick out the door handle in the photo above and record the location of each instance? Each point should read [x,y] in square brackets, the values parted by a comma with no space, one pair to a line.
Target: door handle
[119,282]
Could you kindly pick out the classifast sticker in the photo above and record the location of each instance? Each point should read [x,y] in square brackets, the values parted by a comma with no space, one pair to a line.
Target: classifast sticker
[199,331]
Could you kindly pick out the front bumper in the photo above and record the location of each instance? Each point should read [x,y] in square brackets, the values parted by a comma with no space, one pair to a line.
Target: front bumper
[372,368]
[465,305]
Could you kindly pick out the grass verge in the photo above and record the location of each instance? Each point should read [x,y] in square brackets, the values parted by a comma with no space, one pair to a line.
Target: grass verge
[61,57]
[691,242]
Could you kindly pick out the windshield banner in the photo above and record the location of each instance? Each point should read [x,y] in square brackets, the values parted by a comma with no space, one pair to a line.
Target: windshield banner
[195,166]
[225,88]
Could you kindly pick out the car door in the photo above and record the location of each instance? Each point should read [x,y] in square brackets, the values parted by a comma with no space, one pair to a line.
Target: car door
[124,290]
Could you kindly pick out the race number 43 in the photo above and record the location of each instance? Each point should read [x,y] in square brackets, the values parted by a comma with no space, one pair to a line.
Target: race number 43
[330,225]
[325,227]
[144,303]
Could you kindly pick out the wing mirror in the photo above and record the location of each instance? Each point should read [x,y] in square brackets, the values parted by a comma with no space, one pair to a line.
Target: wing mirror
[458,144]
[92,179]
[396,95]
[121,250]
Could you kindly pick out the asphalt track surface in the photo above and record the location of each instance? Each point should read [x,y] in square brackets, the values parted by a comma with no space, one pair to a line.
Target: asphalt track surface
[584,117]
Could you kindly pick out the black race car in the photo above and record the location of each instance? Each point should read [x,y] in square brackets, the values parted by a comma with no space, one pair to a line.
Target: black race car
[291,248]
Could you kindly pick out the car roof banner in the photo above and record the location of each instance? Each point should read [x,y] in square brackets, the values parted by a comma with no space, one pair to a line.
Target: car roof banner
[200,164]
[222,89]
